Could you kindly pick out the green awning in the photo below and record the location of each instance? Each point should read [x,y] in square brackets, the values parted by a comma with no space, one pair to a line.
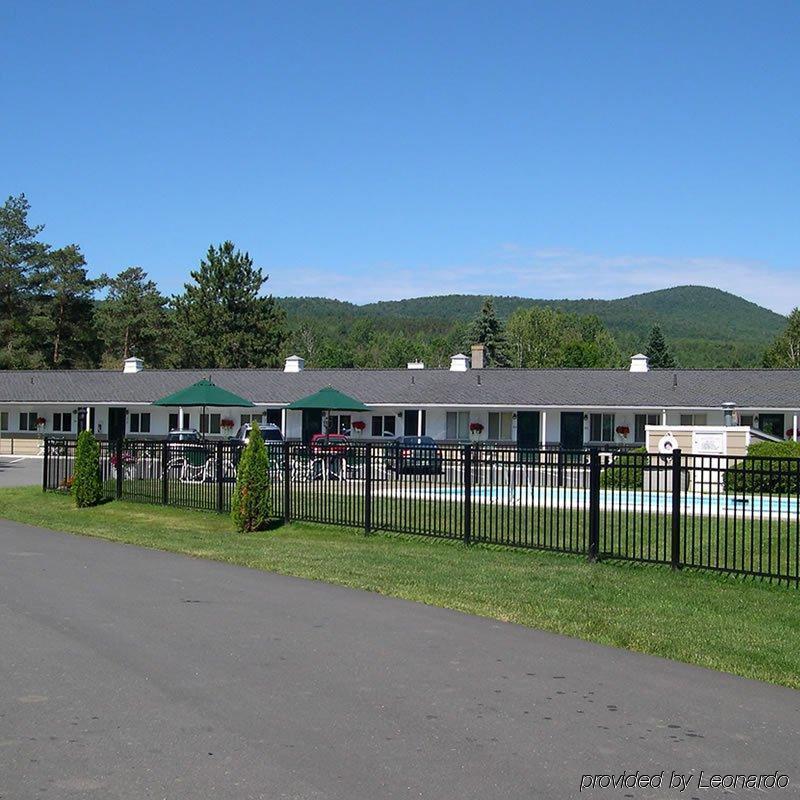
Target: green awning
[203,393]
[328,399]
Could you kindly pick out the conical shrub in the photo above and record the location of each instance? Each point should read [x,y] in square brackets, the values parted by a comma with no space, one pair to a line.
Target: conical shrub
[251,503]
[87,487]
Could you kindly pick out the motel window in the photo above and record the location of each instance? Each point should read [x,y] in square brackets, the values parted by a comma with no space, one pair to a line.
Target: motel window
[3,420]
[500,426]
[639,425]
[174,425]
[339,423]
[601,428]
[771,424]
[457,427]
[249,419]
[62,421]
[140,423]
[27,420]
[209,423]
[747,420]
[383,425]
[694,419]
[414,422]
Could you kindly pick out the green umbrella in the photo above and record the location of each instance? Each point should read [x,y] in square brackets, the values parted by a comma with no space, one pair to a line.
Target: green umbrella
[328,399]
[203,393]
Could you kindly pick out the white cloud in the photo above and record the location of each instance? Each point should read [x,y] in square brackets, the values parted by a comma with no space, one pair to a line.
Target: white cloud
[543,273]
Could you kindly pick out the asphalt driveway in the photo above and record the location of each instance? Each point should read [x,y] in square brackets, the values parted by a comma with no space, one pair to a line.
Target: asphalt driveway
[20,471]
[128,673]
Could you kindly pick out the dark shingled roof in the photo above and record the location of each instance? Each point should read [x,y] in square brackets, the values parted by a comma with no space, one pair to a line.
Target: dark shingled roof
[582,388]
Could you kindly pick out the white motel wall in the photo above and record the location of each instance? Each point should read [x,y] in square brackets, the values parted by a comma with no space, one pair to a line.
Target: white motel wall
[532,408]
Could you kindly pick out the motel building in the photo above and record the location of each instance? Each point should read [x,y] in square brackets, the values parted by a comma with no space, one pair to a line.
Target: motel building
[526,408]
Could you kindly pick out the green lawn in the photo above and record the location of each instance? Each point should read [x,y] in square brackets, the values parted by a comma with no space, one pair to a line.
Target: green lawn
[741,626]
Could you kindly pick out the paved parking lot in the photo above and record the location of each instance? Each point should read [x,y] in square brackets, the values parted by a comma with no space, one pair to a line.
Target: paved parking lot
[20,471]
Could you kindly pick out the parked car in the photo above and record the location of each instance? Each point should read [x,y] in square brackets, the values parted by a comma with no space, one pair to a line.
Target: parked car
[324,443]
[414,454]
[270,432]
[184,435]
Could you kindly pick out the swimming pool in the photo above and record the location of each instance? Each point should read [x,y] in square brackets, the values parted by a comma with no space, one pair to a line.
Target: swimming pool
[693,503]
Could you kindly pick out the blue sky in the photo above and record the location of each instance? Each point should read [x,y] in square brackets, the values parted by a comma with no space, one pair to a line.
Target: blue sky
[377,150]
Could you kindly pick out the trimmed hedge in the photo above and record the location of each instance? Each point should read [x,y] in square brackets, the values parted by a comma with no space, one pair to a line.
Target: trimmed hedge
[251,503]
[757,474]
[627,471]
[87,486]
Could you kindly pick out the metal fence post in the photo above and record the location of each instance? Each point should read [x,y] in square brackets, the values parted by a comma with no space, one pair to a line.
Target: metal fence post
[287,476]
[467,482]
[219,476]
[368,489]
[594,505]
[164,472]
[46,464]
[120,466]
[675,550]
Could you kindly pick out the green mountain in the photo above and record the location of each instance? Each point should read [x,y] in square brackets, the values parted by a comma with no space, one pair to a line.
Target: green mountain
[705,327]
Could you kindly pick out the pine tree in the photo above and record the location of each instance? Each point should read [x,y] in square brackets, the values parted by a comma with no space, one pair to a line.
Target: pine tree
[21,256]
[133,320]
[784,352]
[658,353]
[63,310]
[486,329]
[250,505]
[222,320]
[87,487]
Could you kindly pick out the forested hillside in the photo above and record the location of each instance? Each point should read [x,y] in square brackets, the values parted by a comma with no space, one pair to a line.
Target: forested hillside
[55,313]
[705,327]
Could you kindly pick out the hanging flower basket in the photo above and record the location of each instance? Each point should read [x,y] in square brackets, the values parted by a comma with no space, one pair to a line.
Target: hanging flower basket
[623,431]
[226,423]
[476,428]
[359,425]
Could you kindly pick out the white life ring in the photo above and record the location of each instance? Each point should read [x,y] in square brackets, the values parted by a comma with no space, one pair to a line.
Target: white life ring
[666,444]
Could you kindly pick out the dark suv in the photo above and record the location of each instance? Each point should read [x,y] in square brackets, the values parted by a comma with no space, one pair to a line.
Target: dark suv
[414,454]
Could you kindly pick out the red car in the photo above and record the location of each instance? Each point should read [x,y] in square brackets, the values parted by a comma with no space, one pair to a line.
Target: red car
[328,443]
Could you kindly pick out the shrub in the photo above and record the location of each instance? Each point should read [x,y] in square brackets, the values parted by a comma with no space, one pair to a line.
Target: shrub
[87,488]
[627,471]
[250,506]
[757,474]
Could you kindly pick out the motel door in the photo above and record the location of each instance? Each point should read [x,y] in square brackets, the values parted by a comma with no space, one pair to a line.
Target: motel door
[572,430]
[116,424]
[528,423]
[312,423]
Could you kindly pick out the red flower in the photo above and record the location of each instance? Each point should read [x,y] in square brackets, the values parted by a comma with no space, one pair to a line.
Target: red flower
[359,425]
[476,427]
[226,422]
[623,430]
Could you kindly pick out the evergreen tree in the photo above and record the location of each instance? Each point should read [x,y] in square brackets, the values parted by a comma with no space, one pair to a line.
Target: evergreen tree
[133,320]
[486,329]
[784,352]
[22,255]
[658,353]
[87,488]
[62,316]
[222,319]
[250,505]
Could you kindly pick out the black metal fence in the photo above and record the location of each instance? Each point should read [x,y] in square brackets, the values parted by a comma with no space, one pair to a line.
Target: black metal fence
[726,513]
